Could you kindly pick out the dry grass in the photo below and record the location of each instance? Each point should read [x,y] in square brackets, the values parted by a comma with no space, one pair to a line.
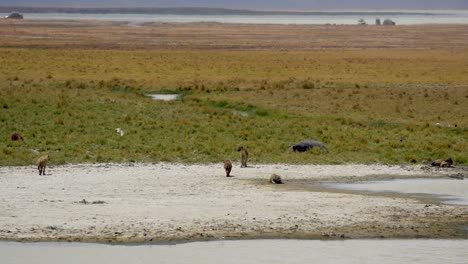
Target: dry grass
[216,36]
[242,69]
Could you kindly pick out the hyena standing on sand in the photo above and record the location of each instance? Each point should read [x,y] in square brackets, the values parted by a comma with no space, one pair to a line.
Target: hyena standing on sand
[228,167]
[42,163]
[244,156]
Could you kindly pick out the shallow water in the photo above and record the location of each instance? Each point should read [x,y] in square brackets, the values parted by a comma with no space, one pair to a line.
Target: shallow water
[164,97]
[425,17]
[244,251]
[452,191]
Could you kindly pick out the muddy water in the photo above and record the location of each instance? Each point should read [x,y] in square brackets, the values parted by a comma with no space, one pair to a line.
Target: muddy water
[451,191]
[246,251]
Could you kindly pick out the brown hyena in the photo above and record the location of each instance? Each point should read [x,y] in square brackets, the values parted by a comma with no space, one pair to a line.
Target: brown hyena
[443,163]
[17,136]
[228,167]
[275,178]
[244,156]
[447,163]
[42,163]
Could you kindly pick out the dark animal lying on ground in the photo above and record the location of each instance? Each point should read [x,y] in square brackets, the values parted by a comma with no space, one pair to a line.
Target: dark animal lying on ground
[307,144]
[443,163]
[275,178]
[17,136]
[228,167]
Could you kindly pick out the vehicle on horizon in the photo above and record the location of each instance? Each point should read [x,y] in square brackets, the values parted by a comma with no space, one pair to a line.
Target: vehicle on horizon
[14,15]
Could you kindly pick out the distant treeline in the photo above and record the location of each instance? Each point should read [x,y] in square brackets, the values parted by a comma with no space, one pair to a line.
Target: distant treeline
[185,11]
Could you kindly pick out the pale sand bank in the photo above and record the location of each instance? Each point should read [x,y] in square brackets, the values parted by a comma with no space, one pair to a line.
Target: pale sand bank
[161,202]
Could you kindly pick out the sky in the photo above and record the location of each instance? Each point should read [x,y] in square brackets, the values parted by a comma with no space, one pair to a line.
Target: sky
[296,5]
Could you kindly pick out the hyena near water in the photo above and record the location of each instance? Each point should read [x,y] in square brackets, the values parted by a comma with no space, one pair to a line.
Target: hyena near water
[275,178]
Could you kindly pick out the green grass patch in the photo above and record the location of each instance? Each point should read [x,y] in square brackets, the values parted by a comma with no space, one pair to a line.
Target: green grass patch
[381,124]
[240,108]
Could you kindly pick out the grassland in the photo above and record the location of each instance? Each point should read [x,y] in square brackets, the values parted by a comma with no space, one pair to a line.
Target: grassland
[371,105]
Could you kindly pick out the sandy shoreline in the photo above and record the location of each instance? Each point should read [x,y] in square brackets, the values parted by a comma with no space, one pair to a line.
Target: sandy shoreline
[149,203]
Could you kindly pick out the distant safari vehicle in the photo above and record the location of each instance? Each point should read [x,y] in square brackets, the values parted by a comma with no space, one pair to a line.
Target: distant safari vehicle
[15,15]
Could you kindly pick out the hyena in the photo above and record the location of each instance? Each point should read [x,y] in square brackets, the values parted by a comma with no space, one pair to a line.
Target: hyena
[244,156]
[228,167]
[42,163]
[275,178]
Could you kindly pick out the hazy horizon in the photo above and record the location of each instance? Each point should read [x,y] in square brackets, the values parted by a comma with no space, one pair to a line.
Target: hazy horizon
[294,5]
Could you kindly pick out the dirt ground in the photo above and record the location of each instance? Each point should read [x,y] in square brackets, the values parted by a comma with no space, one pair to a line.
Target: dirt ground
[218,36]
[150,203]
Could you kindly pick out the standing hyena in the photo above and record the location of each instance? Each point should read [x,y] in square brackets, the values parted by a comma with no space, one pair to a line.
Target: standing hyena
[42,163]
[228,167]
[244,156]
